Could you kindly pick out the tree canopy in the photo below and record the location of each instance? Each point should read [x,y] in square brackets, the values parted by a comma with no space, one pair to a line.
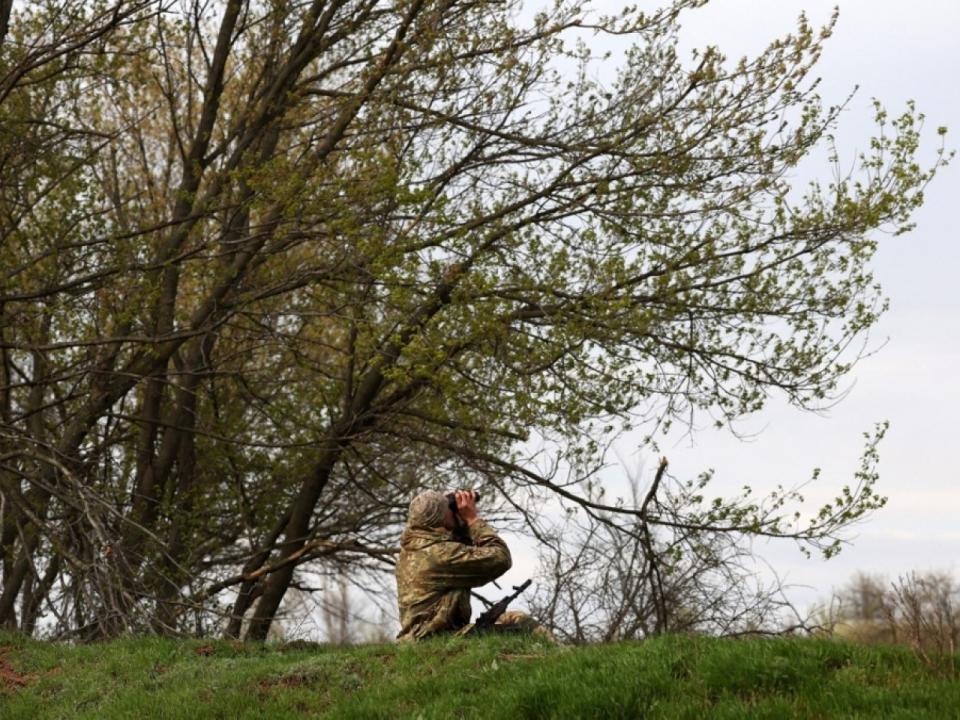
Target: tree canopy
[269,267]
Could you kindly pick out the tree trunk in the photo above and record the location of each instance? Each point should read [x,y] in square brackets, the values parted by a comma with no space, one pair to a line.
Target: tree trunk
[295,535]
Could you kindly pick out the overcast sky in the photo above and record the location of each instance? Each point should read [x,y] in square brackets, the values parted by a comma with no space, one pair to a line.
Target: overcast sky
[895,51]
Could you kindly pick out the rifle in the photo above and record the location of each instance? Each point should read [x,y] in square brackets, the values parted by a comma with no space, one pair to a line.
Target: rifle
[489,616]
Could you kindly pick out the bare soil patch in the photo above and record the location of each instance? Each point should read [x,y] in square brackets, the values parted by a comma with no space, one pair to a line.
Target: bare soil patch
[10,679]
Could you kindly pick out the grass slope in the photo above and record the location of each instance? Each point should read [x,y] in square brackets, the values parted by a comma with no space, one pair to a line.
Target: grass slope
[492,677]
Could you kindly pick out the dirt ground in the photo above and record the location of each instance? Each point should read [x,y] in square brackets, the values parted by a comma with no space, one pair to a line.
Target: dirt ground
[10,679]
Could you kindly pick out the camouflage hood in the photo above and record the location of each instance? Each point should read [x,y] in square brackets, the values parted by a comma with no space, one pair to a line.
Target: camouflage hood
[418,538]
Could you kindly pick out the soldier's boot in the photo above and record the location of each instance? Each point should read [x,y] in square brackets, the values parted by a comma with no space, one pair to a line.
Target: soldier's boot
[515,621]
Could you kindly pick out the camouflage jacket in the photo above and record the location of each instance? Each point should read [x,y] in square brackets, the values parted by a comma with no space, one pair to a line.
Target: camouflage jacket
[435,574]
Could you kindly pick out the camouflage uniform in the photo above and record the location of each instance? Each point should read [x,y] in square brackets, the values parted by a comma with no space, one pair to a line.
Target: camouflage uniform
[435,574]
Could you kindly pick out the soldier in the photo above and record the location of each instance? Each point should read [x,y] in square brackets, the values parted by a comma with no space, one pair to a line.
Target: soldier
[435,571]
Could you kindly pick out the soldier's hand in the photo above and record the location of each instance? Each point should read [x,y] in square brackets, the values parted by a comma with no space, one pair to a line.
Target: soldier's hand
[467,506]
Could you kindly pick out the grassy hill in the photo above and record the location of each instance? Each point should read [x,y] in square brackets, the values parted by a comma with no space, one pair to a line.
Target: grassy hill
[493,677]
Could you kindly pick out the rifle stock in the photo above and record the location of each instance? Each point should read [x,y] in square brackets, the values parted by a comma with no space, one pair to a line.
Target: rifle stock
[489,616]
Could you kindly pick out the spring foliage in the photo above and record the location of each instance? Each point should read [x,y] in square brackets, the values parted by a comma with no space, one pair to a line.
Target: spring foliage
[270,266]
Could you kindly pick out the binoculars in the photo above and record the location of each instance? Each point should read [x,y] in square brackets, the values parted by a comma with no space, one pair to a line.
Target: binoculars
[452,500]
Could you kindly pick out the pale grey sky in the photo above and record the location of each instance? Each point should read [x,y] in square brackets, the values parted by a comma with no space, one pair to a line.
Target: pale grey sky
[895,51]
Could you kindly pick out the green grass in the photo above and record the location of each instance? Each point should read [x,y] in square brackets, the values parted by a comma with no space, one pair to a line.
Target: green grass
[492,677]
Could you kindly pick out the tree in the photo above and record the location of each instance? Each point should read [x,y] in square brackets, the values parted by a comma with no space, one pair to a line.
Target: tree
[668,558]
[918,609]
[312,256]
